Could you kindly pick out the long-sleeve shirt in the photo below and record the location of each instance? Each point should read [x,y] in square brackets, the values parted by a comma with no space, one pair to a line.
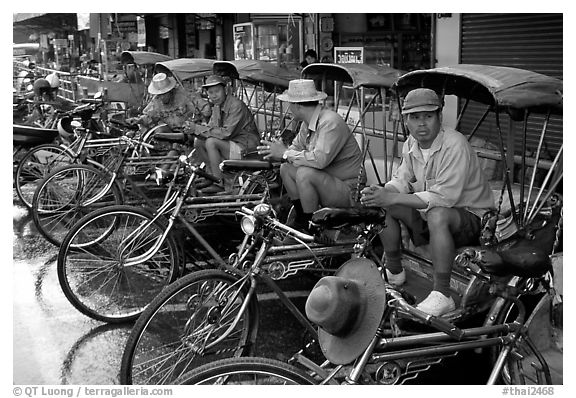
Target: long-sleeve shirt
[232,121]
[180,109]
[327,144]
[452,176]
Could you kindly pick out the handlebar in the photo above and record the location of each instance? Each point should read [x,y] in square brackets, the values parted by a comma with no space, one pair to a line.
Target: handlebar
[96,101]
[300,235]
[209,176]
[128,126]
[134,142]
[197,169]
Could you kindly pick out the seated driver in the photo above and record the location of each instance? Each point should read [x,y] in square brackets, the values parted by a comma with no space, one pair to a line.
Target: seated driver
[230,133]
[439,192]
[322,165]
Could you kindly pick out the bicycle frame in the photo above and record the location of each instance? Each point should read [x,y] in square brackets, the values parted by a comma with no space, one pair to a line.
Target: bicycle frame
[177,201]
[263,268]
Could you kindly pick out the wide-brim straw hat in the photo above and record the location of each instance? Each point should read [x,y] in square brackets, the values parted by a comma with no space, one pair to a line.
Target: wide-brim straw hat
[161,84]
[348,309]
[302,90]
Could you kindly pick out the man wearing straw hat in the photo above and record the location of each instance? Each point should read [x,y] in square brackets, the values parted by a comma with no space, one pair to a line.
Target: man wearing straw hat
[439,192]
[171,104]
[321,166]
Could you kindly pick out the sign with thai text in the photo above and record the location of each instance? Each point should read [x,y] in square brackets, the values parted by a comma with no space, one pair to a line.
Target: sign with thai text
[349,55]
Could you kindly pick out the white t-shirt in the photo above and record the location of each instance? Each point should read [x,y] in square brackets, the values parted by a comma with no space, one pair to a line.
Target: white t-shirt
[425,154]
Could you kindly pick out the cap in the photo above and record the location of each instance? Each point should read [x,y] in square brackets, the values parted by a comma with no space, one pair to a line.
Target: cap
[214,80]
[421,100]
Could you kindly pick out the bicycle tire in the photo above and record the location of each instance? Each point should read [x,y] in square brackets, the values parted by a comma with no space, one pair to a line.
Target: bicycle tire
[68,194]
[159,350]
[102,272]
[35,166]
[246,371]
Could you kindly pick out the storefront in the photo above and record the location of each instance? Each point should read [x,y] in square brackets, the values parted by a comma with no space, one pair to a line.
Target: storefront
[275,38]
[526,41]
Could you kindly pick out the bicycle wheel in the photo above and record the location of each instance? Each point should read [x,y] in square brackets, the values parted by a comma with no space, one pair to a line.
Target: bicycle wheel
[246,371]
[35,166]
[68,194]
[522,366]
[518,368]
[114,261]
[172,334]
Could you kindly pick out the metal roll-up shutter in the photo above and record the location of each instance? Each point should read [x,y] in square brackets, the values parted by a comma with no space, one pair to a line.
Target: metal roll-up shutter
[526,41]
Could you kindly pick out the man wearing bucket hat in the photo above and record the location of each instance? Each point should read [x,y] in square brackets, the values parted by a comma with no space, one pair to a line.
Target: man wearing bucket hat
[171,104]
[321,166]
[230,133]
[439,192]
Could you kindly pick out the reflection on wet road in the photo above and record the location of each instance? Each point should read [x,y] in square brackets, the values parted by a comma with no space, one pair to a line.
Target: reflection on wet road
[53,343]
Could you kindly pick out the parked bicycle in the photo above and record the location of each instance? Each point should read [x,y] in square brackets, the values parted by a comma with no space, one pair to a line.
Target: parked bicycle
[116,259]
[70,192]
[40,160]
[213,314]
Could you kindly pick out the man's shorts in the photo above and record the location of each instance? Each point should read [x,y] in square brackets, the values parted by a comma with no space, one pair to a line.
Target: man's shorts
[236,151]
[467,234]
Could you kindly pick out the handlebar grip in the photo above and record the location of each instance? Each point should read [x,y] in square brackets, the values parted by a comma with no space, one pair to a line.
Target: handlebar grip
[202,173]
[146,145]
[91,100]
[445,326]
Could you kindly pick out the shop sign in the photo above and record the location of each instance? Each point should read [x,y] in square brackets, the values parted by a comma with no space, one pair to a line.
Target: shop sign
[60,42]
[349,55]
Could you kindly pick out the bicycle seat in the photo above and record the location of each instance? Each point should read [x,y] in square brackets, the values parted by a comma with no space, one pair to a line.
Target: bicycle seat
[329,217]
[523,260]
[172,137]
[232,166]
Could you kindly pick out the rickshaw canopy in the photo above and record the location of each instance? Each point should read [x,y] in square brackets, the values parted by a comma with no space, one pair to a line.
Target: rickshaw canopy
[359,75]
[257,72]
[186,68]
[499,86]
[142,57]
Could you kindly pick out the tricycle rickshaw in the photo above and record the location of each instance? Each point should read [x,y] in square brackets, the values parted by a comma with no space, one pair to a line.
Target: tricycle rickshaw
[509,304]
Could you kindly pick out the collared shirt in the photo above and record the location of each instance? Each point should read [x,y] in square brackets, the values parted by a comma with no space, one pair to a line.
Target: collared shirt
[232,121]
[452,176]
[326,144]
[174,114]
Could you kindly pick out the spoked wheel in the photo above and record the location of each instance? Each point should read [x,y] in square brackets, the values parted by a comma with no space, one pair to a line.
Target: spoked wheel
[35,166]
[523,365]
[246,371]
[177,331]
[67,195]
[545,339]
[114,261]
